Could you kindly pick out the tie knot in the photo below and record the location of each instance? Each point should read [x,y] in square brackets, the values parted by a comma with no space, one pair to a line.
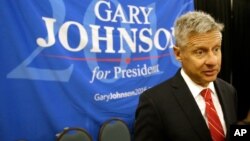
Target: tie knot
[206,94]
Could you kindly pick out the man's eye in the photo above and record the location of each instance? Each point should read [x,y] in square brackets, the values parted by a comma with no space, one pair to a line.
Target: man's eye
[199,52]
[217,49]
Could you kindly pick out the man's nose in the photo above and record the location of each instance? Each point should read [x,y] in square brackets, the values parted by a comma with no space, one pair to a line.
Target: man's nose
[212,58]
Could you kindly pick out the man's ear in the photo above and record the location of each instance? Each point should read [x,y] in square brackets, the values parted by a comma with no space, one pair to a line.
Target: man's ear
[177,53]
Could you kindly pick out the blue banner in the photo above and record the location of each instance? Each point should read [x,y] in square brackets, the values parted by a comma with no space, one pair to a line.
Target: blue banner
[77,63]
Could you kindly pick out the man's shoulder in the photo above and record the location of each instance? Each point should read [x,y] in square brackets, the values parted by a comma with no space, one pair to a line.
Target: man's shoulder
[224,84]
[160,88]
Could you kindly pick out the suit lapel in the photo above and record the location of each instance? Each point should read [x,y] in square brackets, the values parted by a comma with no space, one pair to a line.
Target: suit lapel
[223,102]
[190,108]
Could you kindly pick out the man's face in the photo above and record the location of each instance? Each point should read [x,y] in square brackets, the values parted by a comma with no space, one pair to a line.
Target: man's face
[201,58]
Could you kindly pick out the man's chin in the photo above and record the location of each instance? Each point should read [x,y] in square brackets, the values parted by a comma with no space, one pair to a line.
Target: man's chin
[211,78]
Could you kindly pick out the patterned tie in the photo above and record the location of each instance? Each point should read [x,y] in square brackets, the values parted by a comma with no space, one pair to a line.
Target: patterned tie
[214,123]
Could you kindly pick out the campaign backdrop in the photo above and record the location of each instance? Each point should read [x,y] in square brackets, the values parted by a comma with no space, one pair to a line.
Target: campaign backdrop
[77,63]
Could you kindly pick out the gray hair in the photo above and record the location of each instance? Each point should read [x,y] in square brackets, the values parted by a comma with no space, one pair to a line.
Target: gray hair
[194,22]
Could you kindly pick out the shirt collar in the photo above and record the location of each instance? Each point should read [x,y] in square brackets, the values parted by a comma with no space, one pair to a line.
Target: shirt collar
[193,87]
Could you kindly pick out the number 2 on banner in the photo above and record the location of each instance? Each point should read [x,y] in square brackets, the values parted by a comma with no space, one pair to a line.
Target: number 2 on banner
[22,71]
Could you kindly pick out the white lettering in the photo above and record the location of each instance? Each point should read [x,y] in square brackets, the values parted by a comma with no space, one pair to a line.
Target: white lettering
[49,22]
[104,13]
[96,38]
[99,74]
[131,40]
[63,36]
[108,12]
[134,13]
[146,40]
[237,132]
[146,11]
[125,35]
[135,72]
[168,38]
[240,132]
[119,14]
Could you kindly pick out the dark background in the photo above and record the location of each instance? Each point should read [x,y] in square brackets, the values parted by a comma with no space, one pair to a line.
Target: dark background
[235,44]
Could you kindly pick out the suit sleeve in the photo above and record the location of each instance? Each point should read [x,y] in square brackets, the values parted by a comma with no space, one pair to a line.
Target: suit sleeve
[148,124]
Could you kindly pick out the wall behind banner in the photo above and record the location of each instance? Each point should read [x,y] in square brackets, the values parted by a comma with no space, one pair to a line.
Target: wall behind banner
[77,63]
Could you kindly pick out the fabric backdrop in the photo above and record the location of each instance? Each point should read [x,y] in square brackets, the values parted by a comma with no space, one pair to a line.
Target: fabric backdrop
[77,63]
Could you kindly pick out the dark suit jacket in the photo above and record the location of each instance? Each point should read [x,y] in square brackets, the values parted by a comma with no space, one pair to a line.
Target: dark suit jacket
[168,112]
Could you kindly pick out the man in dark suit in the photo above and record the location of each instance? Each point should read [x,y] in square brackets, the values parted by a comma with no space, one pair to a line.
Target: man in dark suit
[175,110]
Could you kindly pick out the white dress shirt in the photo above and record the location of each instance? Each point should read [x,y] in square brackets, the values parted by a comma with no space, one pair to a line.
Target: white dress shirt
[196,89]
